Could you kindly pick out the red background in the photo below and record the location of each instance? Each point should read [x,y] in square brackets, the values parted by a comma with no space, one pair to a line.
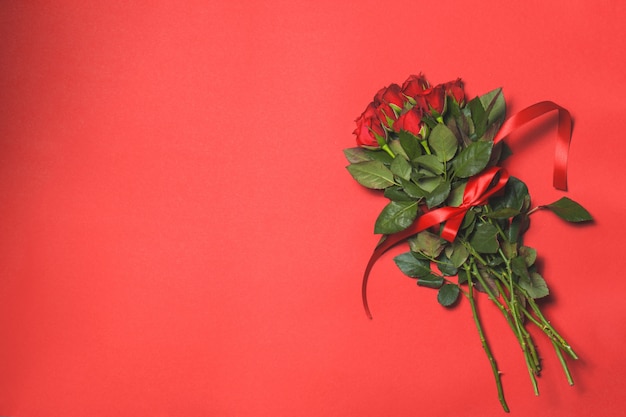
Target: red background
[179,236]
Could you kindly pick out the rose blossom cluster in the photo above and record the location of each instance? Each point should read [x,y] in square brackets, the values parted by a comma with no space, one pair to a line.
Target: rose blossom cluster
[397,108]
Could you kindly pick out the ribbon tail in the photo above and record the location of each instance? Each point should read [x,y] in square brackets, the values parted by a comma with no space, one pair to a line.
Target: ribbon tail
[452,226]
[422,223]
[562,149]
[383,246]
[366,275]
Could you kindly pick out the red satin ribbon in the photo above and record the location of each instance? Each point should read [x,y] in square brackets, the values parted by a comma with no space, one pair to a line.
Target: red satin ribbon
[478,190]
[563,139]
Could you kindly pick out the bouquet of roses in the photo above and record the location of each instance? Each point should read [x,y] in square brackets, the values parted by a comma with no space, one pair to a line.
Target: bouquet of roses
[437,157]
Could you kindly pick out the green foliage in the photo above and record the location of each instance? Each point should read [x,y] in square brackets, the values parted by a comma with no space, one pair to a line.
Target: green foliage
[448,294]
[472,159]
[428,244]
[495,107]
[396,216]
[410,144]
[443,142]
[446,265]
[411,266]
[535,285]
[372,174]
[514,200]
[430,281]
[457,253]
[569,210]
[401,168]
[484,239]
[356,155]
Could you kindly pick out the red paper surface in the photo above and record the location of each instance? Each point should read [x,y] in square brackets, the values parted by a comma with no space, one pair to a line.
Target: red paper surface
[179,236]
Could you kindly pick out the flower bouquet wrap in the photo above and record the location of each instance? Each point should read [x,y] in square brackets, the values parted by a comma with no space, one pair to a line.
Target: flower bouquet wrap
[436,156]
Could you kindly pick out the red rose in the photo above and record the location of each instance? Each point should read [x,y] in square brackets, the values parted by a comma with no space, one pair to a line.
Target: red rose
[426,98]
[411,121]
[390,95]
[455,90]
[367,122]
[433,99]
[415,85]
[389,102]
[386,115]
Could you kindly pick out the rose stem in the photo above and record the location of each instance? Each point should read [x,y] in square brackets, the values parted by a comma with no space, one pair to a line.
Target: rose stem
[557,341]
[526,344]
[517,330]
[387,149]
[529,342]
[483,341]
[520,332]
[548,326]
[557,349]
[514,312]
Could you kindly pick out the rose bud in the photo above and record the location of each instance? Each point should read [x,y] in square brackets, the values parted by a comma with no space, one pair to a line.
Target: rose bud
[435,100]
[411,121]
[455,90]
[415,85]
[387,115]
[368,125]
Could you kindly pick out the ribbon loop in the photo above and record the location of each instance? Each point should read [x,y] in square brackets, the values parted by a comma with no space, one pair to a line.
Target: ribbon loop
[563,139]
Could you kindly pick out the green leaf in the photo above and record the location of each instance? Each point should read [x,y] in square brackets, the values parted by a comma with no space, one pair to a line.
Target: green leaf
[469,220]
[495,106]
[427,243]
[479,117]
[379,155]
[443,142]
[535,285]
[411,266]
[430,281]
[484,239]
[515,194]
[401,167]
[456,195]
[355,155]
[517,228]
[428,185]
[503,213]
[371,174]
[396,216]
[431,163]
[438,195]
[505,152]
[410,144]
[463,276]
[509,248]
[519,268]
[412,189]
[397,148]
[529,254]
[458,123]
[396,193]
[448,294]
[446,266]
[490,282]
[569,210]
[457,253]
[472,159]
